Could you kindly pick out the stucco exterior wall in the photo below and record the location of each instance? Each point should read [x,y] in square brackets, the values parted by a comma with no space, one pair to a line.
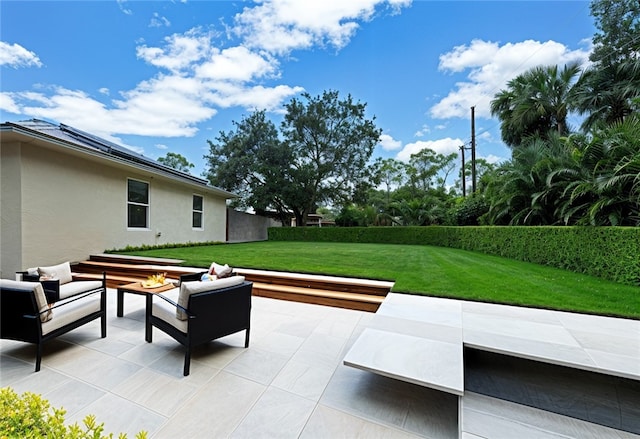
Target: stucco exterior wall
[10,208]
[72,206]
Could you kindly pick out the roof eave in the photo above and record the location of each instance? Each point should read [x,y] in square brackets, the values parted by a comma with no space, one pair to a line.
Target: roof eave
[166,172]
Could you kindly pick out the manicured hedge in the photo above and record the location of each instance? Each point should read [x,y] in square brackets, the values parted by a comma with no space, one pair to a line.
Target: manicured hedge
[608,252]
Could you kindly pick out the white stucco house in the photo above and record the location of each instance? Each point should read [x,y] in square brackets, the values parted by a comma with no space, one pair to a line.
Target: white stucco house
[66,194]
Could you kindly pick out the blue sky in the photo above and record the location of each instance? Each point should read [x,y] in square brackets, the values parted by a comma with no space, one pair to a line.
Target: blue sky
[160,76]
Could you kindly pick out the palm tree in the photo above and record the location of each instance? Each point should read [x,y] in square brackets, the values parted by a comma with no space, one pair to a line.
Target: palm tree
[603,185]
[519,193]
[606,93]
[535,103]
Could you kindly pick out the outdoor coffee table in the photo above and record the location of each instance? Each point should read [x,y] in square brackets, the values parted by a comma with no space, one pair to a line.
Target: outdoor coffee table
[137,288]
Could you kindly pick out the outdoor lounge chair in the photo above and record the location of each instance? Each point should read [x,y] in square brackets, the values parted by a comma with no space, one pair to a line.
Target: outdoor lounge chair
[199,312]
[60,282]
[26,315]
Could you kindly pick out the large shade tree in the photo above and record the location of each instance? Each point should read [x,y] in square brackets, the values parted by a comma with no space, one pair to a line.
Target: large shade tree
[617,37]
[319,156]
[331,140]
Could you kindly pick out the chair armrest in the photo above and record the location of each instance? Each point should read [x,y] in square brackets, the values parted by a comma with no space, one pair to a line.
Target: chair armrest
[51,289]
[166,299]
[191,276]
[29,277]
[71,299]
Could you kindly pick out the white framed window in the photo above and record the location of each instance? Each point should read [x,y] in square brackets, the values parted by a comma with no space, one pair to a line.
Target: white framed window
[197,211]
[137,204]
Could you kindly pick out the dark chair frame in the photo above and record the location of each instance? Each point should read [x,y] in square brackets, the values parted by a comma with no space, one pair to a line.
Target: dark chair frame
[20,317]
[211,315]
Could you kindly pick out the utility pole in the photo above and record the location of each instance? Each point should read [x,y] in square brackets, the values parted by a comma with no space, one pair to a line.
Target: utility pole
[464,174]
[473,150]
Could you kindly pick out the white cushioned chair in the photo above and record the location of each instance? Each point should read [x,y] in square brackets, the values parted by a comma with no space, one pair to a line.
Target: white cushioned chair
[26,315]
[201,311]
[58,281]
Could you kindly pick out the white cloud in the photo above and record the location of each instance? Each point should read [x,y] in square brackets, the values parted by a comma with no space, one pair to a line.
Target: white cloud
[159,21]
[161,146]
[195,77]
[441,146]
[280,26]
[8,104]
[257,97]
[181,51]
[123,7]
[423,131]
[14,55]
[388,143]
[490,66]
[485,135]
[236,64]
[491,158]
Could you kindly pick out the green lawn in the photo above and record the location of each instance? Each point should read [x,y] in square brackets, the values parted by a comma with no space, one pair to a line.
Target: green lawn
[427,270]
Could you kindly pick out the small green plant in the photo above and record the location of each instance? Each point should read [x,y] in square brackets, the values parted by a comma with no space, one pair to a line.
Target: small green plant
[144,247]
[31,416]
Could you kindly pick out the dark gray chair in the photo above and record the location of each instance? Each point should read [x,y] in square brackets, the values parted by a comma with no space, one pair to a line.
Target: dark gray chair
[25,314]
[199,312]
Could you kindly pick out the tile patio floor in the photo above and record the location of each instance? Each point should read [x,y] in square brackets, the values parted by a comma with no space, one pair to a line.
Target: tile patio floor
[290,383]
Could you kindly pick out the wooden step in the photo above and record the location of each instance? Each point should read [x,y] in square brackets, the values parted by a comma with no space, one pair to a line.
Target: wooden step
[132,270]
[322,282]
[356,301]
[343,292]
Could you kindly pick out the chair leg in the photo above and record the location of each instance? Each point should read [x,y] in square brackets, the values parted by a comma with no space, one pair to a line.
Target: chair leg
[246,339]
[103,325]
[187,361]
[38,356]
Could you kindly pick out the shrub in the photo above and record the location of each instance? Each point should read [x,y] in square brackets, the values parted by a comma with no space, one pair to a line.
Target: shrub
[143,247]
[608,252]
[31,416]
[468,212]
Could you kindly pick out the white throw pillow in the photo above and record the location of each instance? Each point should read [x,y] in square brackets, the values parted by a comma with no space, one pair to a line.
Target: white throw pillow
[189,288]
[60,271]
[220,271]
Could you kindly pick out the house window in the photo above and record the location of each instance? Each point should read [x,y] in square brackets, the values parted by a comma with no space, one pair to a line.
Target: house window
[137,204]
[197,212]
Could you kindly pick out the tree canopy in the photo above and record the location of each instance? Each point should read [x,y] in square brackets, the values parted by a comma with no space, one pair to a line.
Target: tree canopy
[319,156]
[618,35]
[176,161]
[535,103]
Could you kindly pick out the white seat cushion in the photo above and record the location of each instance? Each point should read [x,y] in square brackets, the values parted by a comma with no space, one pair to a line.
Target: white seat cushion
[78,286]
[166,311]
[72,311]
